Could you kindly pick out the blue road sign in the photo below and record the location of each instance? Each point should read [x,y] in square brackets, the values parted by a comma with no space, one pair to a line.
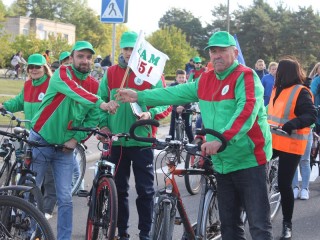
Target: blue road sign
[114,11]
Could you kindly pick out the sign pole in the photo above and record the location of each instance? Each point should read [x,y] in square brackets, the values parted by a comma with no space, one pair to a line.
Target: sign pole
[113,42]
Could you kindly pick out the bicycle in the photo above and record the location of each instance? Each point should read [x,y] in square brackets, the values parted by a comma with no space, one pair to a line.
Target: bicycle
[168,199]
[315,153]
[16,145]
[103,199]
[20,219]
[10,73]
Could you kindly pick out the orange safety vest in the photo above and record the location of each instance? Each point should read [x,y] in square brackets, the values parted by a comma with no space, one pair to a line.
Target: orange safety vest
[281,112]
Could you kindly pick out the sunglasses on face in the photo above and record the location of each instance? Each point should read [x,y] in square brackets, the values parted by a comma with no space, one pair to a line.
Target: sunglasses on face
[198,63]
[34,67]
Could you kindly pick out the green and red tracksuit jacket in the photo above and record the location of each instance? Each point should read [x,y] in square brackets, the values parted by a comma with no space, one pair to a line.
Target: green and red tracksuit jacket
[231,103]
[30,98]
[124,117]
[69,98]
[195,74]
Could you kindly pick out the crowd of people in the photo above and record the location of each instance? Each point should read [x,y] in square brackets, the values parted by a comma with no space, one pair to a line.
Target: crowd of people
[239,102]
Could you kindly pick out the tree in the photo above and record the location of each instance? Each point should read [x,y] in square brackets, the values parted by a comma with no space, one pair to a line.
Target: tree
[190,26]
[172,41]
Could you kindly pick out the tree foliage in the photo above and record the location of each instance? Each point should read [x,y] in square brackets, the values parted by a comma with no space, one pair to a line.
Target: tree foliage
[171,41]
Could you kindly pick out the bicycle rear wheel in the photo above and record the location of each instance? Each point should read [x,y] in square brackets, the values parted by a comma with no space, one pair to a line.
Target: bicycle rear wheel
[78,175]
[193,182]
[211,224]
[162,221]
[10,74]
[103,214]
[179,131]
[19,219]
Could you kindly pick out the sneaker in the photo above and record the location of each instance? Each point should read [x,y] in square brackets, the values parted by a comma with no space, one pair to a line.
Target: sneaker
[124,237]
[296,192]
[48,216]
[304,195]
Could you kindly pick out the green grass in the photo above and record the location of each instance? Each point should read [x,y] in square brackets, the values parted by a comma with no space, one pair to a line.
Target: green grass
[4,120]
[11,87]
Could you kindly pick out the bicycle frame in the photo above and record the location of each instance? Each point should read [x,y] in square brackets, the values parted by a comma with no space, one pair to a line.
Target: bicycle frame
[172,188]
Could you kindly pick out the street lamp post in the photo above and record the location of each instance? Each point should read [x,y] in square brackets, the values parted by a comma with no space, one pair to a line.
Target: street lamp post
[228,17]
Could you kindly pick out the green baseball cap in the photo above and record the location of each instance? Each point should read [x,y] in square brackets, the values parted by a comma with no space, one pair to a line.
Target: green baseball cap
[64,55]
[36,59]
[81,45]
[128,39]
[197,59]
[221,39]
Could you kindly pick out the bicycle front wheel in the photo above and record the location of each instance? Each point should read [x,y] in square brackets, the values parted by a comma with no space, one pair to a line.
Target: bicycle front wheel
[80,162]
[4,172]
[274,194]
[211,224]
[103,213]
[193,182]
[19,219]
[179,131]
[162,222]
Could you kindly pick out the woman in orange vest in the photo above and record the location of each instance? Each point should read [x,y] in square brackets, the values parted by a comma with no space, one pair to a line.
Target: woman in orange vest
[290,107]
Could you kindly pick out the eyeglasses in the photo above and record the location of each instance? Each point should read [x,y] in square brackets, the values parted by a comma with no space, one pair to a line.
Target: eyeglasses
[198,63]
[34,66]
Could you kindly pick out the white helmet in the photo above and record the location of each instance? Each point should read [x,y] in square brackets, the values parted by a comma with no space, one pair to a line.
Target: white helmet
[99,56]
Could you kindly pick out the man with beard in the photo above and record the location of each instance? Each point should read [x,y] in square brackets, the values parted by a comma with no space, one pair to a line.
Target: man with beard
[67,99]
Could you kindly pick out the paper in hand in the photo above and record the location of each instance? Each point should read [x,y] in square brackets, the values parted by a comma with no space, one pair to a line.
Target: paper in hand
[136,109]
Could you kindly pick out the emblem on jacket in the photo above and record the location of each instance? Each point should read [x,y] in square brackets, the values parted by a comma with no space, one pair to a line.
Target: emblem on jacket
[225,90]
[138,81]
[41,96]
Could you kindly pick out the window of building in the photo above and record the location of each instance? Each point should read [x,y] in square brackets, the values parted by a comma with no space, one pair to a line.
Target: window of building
[66,36]
[25,31]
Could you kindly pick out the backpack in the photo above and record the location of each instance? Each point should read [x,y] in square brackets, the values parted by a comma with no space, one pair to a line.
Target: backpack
[12,57]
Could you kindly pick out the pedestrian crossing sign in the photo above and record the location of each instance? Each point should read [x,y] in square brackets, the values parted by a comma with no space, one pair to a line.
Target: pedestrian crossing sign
[114,11]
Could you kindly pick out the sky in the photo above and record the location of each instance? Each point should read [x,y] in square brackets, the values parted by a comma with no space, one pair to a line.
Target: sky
[145,14]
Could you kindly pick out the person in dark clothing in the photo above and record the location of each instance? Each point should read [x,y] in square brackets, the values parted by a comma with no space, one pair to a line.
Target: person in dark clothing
[189,66]
[181,78]
[260,68]
[106,62]
[291,107]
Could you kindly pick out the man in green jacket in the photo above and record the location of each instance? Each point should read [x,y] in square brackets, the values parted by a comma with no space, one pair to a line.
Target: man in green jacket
[68,99]
[127,153]
[231,98]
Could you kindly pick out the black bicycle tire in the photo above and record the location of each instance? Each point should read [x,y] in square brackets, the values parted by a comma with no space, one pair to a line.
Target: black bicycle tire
[161,227]
[188,178]
[83,164]
[106,187]
[8,76]
[10,202]
[210,209]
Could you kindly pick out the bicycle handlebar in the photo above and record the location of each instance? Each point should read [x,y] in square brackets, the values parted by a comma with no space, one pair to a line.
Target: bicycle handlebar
[156,124]
[96,130]
[5,112]
[278,128]
[30,142]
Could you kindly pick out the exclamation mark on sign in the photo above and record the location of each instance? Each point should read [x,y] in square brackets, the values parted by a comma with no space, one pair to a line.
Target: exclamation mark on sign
[149,71]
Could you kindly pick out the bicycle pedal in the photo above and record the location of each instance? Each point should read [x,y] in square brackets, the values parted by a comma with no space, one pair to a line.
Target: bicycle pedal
[83,193]
[178,221]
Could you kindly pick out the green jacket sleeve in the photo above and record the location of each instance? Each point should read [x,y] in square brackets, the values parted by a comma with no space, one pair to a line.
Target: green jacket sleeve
[63,83]
[103,92]
[176,95]
[155,110]
[15,104]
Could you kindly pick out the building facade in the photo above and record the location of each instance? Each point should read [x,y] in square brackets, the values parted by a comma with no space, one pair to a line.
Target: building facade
[42,28]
